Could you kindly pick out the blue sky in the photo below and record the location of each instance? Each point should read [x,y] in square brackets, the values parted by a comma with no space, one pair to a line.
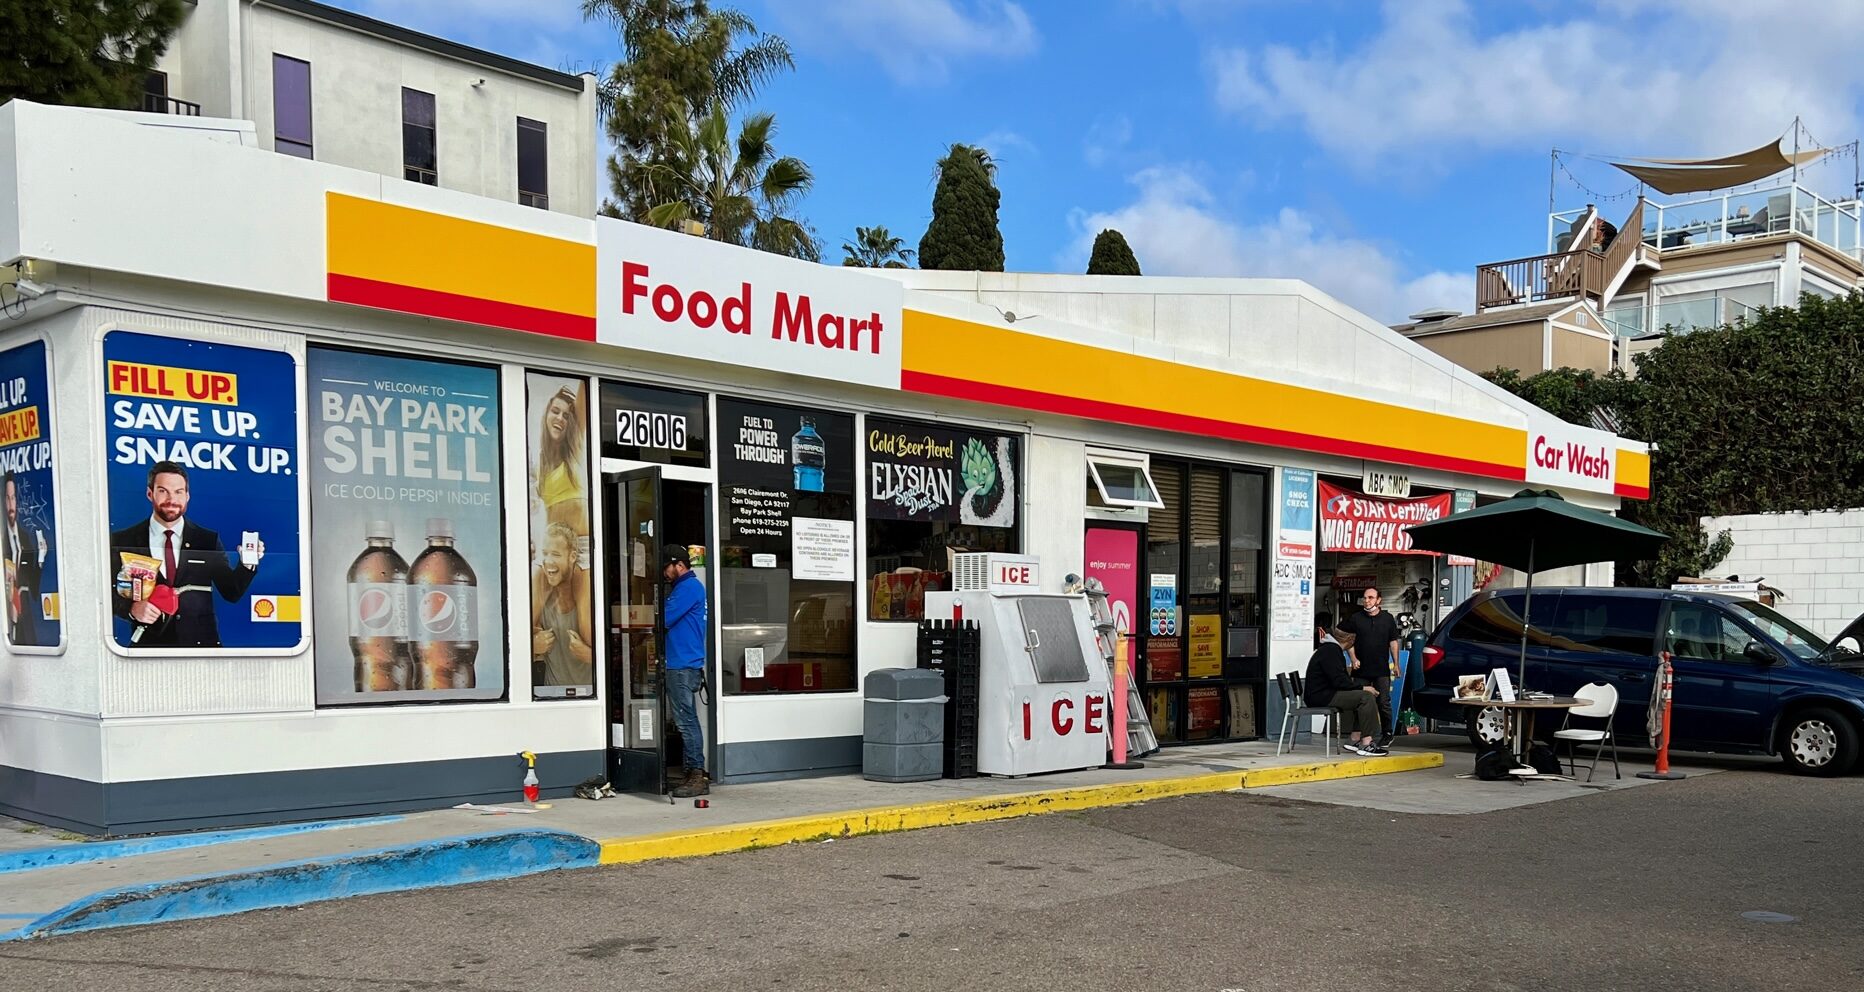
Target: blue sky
[1379,151]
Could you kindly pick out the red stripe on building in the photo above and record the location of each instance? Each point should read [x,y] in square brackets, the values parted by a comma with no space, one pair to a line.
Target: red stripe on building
[1635,492]
[1073,406]
[451,306]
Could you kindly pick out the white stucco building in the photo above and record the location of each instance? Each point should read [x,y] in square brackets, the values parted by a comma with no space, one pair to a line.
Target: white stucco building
[328,84]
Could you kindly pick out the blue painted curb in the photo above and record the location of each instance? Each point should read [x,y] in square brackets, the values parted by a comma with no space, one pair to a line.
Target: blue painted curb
[431,864]
[109,850]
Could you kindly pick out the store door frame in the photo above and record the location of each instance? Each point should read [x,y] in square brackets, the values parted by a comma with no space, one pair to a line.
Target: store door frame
[615,474]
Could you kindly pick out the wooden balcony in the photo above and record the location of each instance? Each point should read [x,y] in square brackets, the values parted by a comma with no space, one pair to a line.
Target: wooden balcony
[1541,279]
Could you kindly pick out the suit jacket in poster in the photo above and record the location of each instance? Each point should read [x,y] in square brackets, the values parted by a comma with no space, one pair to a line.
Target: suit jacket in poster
[24,559]
[201,568]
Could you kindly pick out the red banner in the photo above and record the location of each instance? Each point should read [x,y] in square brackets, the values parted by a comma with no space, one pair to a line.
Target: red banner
[1351,521]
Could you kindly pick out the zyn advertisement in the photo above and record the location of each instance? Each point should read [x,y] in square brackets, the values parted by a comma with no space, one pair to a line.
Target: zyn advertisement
[32,617]
[405,478]
[203,493]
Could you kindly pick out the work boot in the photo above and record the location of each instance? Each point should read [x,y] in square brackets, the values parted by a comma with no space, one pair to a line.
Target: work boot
[696,784]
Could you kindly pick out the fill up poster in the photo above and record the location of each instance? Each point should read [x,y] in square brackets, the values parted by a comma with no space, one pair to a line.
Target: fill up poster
[28,535]
[405,484]
[562,629]
[201,442]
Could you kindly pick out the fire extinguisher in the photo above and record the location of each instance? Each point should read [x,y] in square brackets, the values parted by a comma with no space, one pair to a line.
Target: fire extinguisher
[530,775]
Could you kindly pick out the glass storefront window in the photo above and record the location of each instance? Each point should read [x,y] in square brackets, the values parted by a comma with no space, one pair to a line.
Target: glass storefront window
[1164,543]
[786,549]
[933,491]
[1205,657]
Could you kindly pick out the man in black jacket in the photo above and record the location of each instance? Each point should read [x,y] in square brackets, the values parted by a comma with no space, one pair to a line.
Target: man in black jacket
[23,572]
[1329,682]
[194,565]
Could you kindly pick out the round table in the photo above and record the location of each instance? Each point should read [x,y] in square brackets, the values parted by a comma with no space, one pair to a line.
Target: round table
[1520,714]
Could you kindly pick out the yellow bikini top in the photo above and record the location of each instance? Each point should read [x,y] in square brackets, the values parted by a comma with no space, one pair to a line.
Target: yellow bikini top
[558,486]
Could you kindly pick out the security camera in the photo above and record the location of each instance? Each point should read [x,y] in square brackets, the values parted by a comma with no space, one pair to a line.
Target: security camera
[27,289]
[479,82]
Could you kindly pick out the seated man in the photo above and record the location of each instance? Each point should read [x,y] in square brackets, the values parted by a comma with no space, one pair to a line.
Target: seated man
[1330,683]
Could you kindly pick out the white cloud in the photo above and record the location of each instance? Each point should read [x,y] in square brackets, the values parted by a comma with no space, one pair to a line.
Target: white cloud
[1005,140]
[1176,228]
[915,41]
[1658,78]
[1106,137]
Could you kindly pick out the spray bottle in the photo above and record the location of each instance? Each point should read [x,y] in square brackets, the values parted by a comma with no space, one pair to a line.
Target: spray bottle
[530,775]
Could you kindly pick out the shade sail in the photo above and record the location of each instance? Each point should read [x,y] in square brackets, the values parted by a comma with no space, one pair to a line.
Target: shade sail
[1700,175]
[1537,530]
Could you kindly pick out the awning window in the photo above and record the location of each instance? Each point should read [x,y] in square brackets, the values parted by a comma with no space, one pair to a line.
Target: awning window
[1122,480]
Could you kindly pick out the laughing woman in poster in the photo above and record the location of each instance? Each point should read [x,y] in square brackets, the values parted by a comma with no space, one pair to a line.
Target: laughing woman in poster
[558,484]
[562,616]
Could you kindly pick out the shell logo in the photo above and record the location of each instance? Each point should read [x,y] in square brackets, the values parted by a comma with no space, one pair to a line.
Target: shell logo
[264,609]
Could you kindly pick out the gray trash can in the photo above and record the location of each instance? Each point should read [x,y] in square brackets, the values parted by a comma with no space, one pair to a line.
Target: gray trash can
[904,723]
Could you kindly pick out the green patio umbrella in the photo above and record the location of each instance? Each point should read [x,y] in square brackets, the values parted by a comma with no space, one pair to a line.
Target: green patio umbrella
[1536,530]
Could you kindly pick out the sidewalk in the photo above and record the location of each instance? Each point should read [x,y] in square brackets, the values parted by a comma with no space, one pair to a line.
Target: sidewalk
[50,886]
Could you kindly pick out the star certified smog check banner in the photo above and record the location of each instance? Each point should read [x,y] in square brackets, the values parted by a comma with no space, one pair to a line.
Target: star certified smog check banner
[1351,521]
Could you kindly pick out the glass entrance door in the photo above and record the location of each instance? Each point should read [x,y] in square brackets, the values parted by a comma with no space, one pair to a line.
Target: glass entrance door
[637,740]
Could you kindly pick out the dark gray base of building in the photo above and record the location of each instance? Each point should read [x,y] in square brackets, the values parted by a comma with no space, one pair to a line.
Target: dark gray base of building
[125,808]
[766,761]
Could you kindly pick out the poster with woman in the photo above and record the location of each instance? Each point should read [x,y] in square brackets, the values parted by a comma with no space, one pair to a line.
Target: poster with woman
[562,632]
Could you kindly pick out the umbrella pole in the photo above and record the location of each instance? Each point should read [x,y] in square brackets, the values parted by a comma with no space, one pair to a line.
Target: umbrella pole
[1527,611]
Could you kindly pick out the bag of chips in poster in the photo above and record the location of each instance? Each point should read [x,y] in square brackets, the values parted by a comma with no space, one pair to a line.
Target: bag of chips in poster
[136,579]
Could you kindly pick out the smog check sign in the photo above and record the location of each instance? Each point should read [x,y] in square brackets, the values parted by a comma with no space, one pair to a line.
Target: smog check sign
[680,295]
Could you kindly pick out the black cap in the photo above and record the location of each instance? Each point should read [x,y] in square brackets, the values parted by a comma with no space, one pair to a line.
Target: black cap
[676,552]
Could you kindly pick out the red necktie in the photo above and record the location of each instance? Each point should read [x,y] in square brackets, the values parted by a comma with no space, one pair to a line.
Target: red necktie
[168,556]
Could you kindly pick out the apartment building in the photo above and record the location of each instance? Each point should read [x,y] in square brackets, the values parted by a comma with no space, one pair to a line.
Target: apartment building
[1685,257]
[323,83]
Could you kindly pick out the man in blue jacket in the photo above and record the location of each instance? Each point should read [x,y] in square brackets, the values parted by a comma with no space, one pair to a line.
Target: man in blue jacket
[685,617]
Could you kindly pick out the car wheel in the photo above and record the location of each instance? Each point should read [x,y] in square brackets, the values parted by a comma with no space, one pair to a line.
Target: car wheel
[1818,742]
[1487,727]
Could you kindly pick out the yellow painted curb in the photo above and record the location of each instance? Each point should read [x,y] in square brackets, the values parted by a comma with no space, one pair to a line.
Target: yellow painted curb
[980,809]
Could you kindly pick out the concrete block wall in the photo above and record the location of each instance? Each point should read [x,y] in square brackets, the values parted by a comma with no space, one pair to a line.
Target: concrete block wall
[1817,559]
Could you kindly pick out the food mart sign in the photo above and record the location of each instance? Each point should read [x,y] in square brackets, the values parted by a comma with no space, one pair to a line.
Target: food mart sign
[680,295]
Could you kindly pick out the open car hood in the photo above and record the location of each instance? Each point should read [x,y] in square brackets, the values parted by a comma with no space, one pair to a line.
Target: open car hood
[1851,637]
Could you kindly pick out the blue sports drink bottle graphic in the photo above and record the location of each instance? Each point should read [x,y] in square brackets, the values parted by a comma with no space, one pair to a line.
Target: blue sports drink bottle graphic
[808,454]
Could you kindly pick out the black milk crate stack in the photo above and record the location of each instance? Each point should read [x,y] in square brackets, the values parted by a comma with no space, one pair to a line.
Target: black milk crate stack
[953,650]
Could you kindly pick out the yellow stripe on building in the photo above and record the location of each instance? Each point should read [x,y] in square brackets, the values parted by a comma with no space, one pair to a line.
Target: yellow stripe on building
[402,246]
[959,349]
[1633,469]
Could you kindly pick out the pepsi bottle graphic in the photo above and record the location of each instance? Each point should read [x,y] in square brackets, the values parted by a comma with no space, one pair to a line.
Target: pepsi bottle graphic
[378,613]
[809,456]
[443,595]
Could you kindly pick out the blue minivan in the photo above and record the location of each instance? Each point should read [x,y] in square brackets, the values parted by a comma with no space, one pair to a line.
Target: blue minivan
[1748,680]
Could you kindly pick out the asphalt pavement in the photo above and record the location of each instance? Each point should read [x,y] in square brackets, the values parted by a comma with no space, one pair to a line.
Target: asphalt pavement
[1637,888]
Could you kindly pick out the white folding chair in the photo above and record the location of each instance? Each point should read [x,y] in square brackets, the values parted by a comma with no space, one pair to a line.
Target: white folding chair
[1601,703]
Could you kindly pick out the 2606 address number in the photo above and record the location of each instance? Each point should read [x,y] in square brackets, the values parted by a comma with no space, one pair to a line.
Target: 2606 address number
[640,429]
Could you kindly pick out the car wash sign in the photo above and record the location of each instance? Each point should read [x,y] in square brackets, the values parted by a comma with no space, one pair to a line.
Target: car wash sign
[675,294]
[1355,522]
[1561,454]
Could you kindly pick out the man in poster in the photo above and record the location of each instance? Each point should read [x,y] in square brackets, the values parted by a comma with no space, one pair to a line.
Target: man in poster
[177,608]
[23,564]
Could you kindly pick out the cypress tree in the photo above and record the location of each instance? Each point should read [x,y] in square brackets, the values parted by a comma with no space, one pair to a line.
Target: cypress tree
[963,233]
[1112,256]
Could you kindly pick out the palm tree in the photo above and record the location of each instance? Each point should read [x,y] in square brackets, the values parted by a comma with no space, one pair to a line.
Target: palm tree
[875,248]
[741,191]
